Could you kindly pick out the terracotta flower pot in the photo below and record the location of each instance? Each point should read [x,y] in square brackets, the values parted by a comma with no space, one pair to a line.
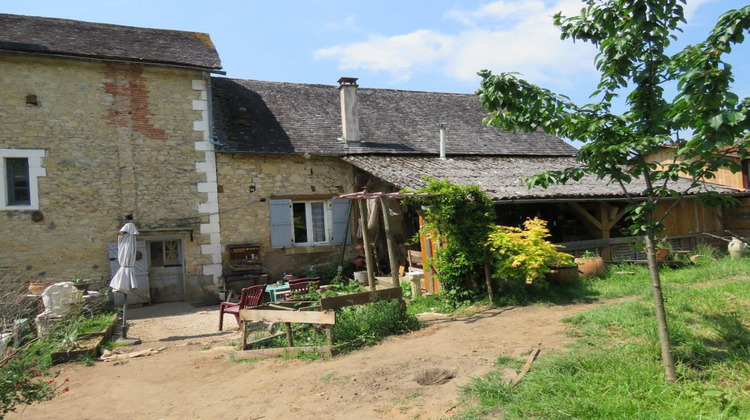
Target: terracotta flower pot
[661,254]
[591,266]
[37,287]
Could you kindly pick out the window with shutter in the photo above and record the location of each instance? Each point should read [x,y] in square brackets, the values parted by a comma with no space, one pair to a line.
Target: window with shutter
[312,222]
[19,170]
[281,223]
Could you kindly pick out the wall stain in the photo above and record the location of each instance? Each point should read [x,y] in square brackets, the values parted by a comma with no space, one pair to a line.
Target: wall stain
[130,101]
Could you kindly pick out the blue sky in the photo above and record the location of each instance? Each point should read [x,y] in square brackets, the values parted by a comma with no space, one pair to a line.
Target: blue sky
[417,45]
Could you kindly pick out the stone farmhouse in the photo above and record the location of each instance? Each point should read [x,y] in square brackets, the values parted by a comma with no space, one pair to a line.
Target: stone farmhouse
[241,180]
[99,122]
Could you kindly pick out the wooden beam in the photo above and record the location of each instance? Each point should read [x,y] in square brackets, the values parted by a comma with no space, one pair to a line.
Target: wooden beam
[342,301]
[390,242]
[366,244]
[616,218]
[577,209]
[307,317]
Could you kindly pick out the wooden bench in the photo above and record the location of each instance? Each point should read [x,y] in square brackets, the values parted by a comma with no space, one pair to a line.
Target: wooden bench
[415,261]
[415,275]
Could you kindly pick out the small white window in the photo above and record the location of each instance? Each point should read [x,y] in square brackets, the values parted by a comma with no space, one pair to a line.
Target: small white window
[19,170]
[305,223]
[310,221]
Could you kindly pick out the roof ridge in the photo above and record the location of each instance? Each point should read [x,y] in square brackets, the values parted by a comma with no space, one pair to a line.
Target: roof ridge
[336,86]
[101,24]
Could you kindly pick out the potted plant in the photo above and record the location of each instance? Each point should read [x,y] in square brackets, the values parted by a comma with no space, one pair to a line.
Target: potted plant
[662,249]
[81,284]
[590,264]
[562,270]
[38,286]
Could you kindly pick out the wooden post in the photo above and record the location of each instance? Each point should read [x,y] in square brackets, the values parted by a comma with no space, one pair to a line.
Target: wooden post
[329,334]
[389,241]
[289,342]
[243,325]
[487,276]
[366,243]
[429,274]
[605,226]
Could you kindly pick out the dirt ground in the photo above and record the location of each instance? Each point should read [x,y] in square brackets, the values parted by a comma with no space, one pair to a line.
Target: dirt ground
[194,377]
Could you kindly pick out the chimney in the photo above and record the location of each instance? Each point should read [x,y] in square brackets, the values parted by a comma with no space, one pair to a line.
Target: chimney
[442,126]
[349,115]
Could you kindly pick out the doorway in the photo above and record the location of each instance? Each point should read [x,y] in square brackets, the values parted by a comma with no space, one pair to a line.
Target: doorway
[166,270]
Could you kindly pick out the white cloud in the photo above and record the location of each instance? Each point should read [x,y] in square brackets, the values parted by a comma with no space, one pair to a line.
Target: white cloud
[502,36]
[691,6]
[396,54]
[500,10]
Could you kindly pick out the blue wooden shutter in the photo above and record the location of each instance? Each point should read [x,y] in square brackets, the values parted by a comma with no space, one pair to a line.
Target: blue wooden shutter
[339,215]
[281,223]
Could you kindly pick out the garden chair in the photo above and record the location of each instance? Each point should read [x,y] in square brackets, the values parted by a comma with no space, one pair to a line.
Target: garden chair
[249,297]
[301,287]
[303,280]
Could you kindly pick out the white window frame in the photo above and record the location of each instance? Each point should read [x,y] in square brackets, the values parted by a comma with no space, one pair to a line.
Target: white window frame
[309,222]
[34,158]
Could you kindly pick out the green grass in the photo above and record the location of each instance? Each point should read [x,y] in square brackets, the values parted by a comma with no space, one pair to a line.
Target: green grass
[614,371]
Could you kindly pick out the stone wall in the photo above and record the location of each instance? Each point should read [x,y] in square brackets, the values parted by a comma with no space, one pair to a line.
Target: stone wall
[247,182]
[119,139]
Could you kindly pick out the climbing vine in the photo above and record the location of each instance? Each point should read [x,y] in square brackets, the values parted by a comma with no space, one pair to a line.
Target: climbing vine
[460,218]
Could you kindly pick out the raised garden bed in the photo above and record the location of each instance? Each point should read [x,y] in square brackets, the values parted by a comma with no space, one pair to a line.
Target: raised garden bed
[87,345]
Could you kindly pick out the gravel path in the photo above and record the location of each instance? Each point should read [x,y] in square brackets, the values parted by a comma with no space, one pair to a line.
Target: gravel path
[178,323]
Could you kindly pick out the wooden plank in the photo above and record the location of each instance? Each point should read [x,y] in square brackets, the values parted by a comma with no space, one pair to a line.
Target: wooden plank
[273,305]
[360,298]
[245,344]
[307,317]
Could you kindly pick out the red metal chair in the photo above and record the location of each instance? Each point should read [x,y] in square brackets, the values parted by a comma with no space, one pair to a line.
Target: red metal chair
[303,280]
[301,287]
[249,297]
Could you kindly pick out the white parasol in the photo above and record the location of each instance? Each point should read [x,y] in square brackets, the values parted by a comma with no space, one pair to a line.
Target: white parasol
[124,279]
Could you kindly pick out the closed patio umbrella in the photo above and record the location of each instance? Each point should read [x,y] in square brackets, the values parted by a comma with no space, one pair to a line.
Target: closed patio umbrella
[124,279]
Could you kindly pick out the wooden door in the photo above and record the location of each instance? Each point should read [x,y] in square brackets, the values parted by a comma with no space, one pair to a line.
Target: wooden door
[166,270]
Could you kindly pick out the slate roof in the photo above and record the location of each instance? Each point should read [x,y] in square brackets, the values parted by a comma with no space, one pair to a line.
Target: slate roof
[40,35]
[501,177]
[289,118]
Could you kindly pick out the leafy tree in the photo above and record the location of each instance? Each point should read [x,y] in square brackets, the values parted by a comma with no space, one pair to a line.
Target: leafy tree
[702,123]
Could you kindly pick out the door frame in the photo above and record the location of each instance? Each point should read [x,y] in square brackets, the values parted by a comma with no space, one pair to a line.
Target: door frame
[161,238]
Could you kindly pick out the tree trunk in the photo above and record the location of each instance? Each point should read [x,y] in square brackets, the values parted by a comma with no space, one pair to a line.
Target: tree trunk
[661,316]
